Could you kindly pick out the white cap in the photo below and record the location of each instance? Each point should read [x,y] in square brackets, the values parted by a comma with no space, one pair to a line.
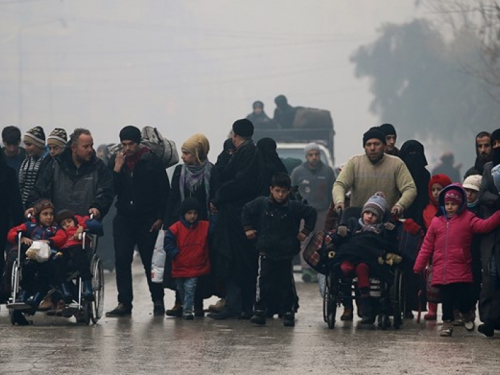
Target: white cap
[473,182]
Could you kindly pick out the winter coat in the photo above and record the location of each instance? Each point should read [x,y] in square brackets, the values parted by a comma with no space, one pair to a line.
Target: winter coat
[448,242]
[54,234]
[187,245]
[142,193]
[91,225]
[278,225]
[315,185]
[75,189]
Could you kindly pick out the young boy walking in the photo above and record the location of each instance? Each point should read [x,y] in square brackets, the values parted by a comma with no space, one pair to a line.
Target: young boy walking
[274,222]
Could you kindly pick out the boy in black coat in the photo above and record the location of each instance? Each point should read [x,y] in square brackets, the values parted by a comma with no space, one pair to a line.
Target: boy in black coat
[277,221]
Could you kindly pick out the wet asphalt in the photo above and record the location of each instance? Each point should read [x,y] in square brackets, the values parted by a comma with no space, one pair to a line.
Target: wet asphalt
[143,344]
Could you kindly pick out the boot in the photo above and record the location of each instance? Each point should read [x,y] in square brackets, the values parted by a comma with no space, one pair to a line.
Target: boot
[23,296]
[368,317]
[432,314]
[66,294]
[35,300]
[88,291]
[347,315]
[175,311]
[259,317]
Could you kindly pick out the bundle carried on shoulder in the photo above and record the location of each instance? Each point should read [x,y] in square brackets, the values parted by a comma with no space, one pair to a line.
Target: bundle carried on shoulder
[312,118]
[161,146]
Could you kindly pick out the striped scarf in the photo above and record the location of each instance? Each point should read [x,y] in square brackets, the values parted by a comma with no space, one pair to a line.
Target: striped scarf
[28,175]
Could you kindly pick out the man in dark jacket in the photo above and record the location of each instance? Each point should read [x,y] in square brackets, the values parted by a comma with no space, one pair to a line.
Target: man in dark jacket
[259,118]
[142,189]
[284,114]
[483,154]
[76,180]
[236,259]
[14,154]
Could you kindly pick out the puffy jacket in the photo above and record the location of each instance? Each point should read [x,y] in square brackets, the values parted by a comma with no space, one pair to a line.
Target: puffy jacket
[54,234]
[92,226]
[76,189]
[187,245]
[448,242]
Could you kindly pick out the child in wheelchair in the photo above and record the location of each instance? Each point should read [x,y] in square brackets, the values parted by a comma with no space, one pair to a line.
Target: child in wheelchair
[365,245]
[37,272]
[72,255]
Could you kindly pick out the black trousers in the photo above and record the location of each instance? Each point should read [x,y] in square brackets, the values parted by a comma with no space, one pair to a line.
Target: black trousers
[37,277]
[275,281]
[73,258]
[128,233]
[456,295]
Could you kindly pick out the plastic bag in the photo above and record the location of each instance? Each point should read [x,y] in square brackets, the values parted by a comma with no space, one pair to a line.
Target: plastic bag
[158,260]
[39,251]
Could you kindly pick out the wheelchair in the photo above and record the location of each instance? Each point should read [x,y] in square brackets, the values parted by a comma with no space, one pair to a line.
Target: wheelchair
[387,294]
[83,310]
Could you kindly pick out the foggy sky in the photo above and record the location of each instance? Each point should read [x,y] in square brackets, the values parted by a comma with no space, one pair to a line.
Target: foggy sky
[186,66]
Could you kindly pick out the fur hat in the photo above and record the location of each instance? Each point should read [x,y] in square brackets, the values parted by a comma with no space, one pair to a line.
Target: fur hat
[57,137]
[311,146]
[65,214]
[473,182]
[41,205]
[35,136]
[376,204]
[198,146]
[372,133]
[243,128]
[189,204]
[130,133]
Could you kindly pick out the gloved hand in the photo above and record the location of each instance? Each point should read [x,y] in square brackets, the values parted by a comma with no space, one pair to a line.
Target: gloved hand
[411,227]
[342,231]
[389,226]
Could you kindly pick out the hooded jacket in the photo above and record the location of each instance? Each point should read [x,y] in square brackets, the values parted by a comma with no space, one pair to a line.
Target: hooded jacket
[75,189]
[432,207]
[448,242]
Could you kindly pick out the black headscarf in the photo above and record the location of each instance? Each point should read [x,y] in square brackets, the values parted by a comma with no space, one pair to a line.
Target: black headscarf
[413,155]
[495,136]
[268,163]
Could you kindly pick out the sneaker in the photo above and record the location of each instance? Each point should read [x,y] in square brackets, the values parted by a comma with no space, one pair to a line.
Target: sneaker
[347,315]
[119,311]
[458,320]
[175,311]
[219,305]
[446,329]
[468,322]
[158,308]
[289,319]
[188,315]
[486,330]
[259,317]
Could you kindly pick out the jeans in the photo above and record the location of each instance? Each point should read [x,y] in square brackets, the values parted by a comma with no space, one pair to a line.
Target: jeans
[187,288]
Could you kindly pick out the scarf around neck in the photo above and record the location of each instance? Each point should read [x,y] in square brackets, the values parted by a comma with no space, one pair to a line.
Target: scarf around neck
[193,177]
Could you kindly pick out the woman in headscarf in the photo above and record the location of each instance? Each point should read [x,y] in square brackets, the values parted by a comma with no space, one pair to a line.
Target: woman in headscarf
[268,162]
[196,178]
[413,155]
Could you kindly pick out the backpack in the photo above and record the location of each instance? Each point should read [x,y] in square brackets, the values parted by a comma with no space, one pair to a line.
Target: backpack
[165,149]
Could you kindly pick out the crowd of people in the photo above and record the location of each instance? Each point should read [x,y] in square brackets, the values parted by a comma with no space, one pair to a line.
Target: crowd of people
[232,228]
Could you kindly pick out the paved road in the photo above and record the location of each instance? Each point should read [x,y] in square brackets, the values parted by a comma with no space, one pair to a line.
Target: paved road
[143,344]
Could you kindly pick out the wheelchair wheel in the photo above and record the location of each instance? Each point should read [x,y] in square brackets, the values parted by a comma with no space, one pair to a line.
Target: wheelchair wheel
[330,301]
[97,305]
[397,298]
[84,315]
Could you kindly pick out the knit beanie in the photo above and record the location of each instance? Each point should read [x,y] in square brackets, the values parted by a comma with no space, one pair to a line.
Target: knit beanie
[473,182]
[495,173]
[453,195]
[375,204]
[311,146]
[41,205]
[57,137]
[243,128]
[130,133]
[35,136]
[372,133]
[388,129]
[189,204]
[198,146]
[65,214]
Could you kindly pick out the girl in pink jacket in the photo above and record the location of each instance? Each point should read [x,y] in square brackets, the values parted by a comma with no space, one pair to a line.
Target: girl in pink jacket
[448,242]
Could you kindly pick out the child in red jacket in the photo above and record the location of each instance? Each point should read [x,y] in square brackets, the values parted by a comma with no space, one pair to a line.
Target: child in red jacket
[37,277]
[186,243]
[448,242]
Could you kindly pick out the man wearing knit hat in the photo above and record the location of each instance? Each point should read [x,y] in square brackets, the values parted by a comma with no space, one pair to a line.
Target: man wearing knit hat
[236,259]
[315,181]
[142,188]
[34,143]
[56,141]
[375,171]
[390,139]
